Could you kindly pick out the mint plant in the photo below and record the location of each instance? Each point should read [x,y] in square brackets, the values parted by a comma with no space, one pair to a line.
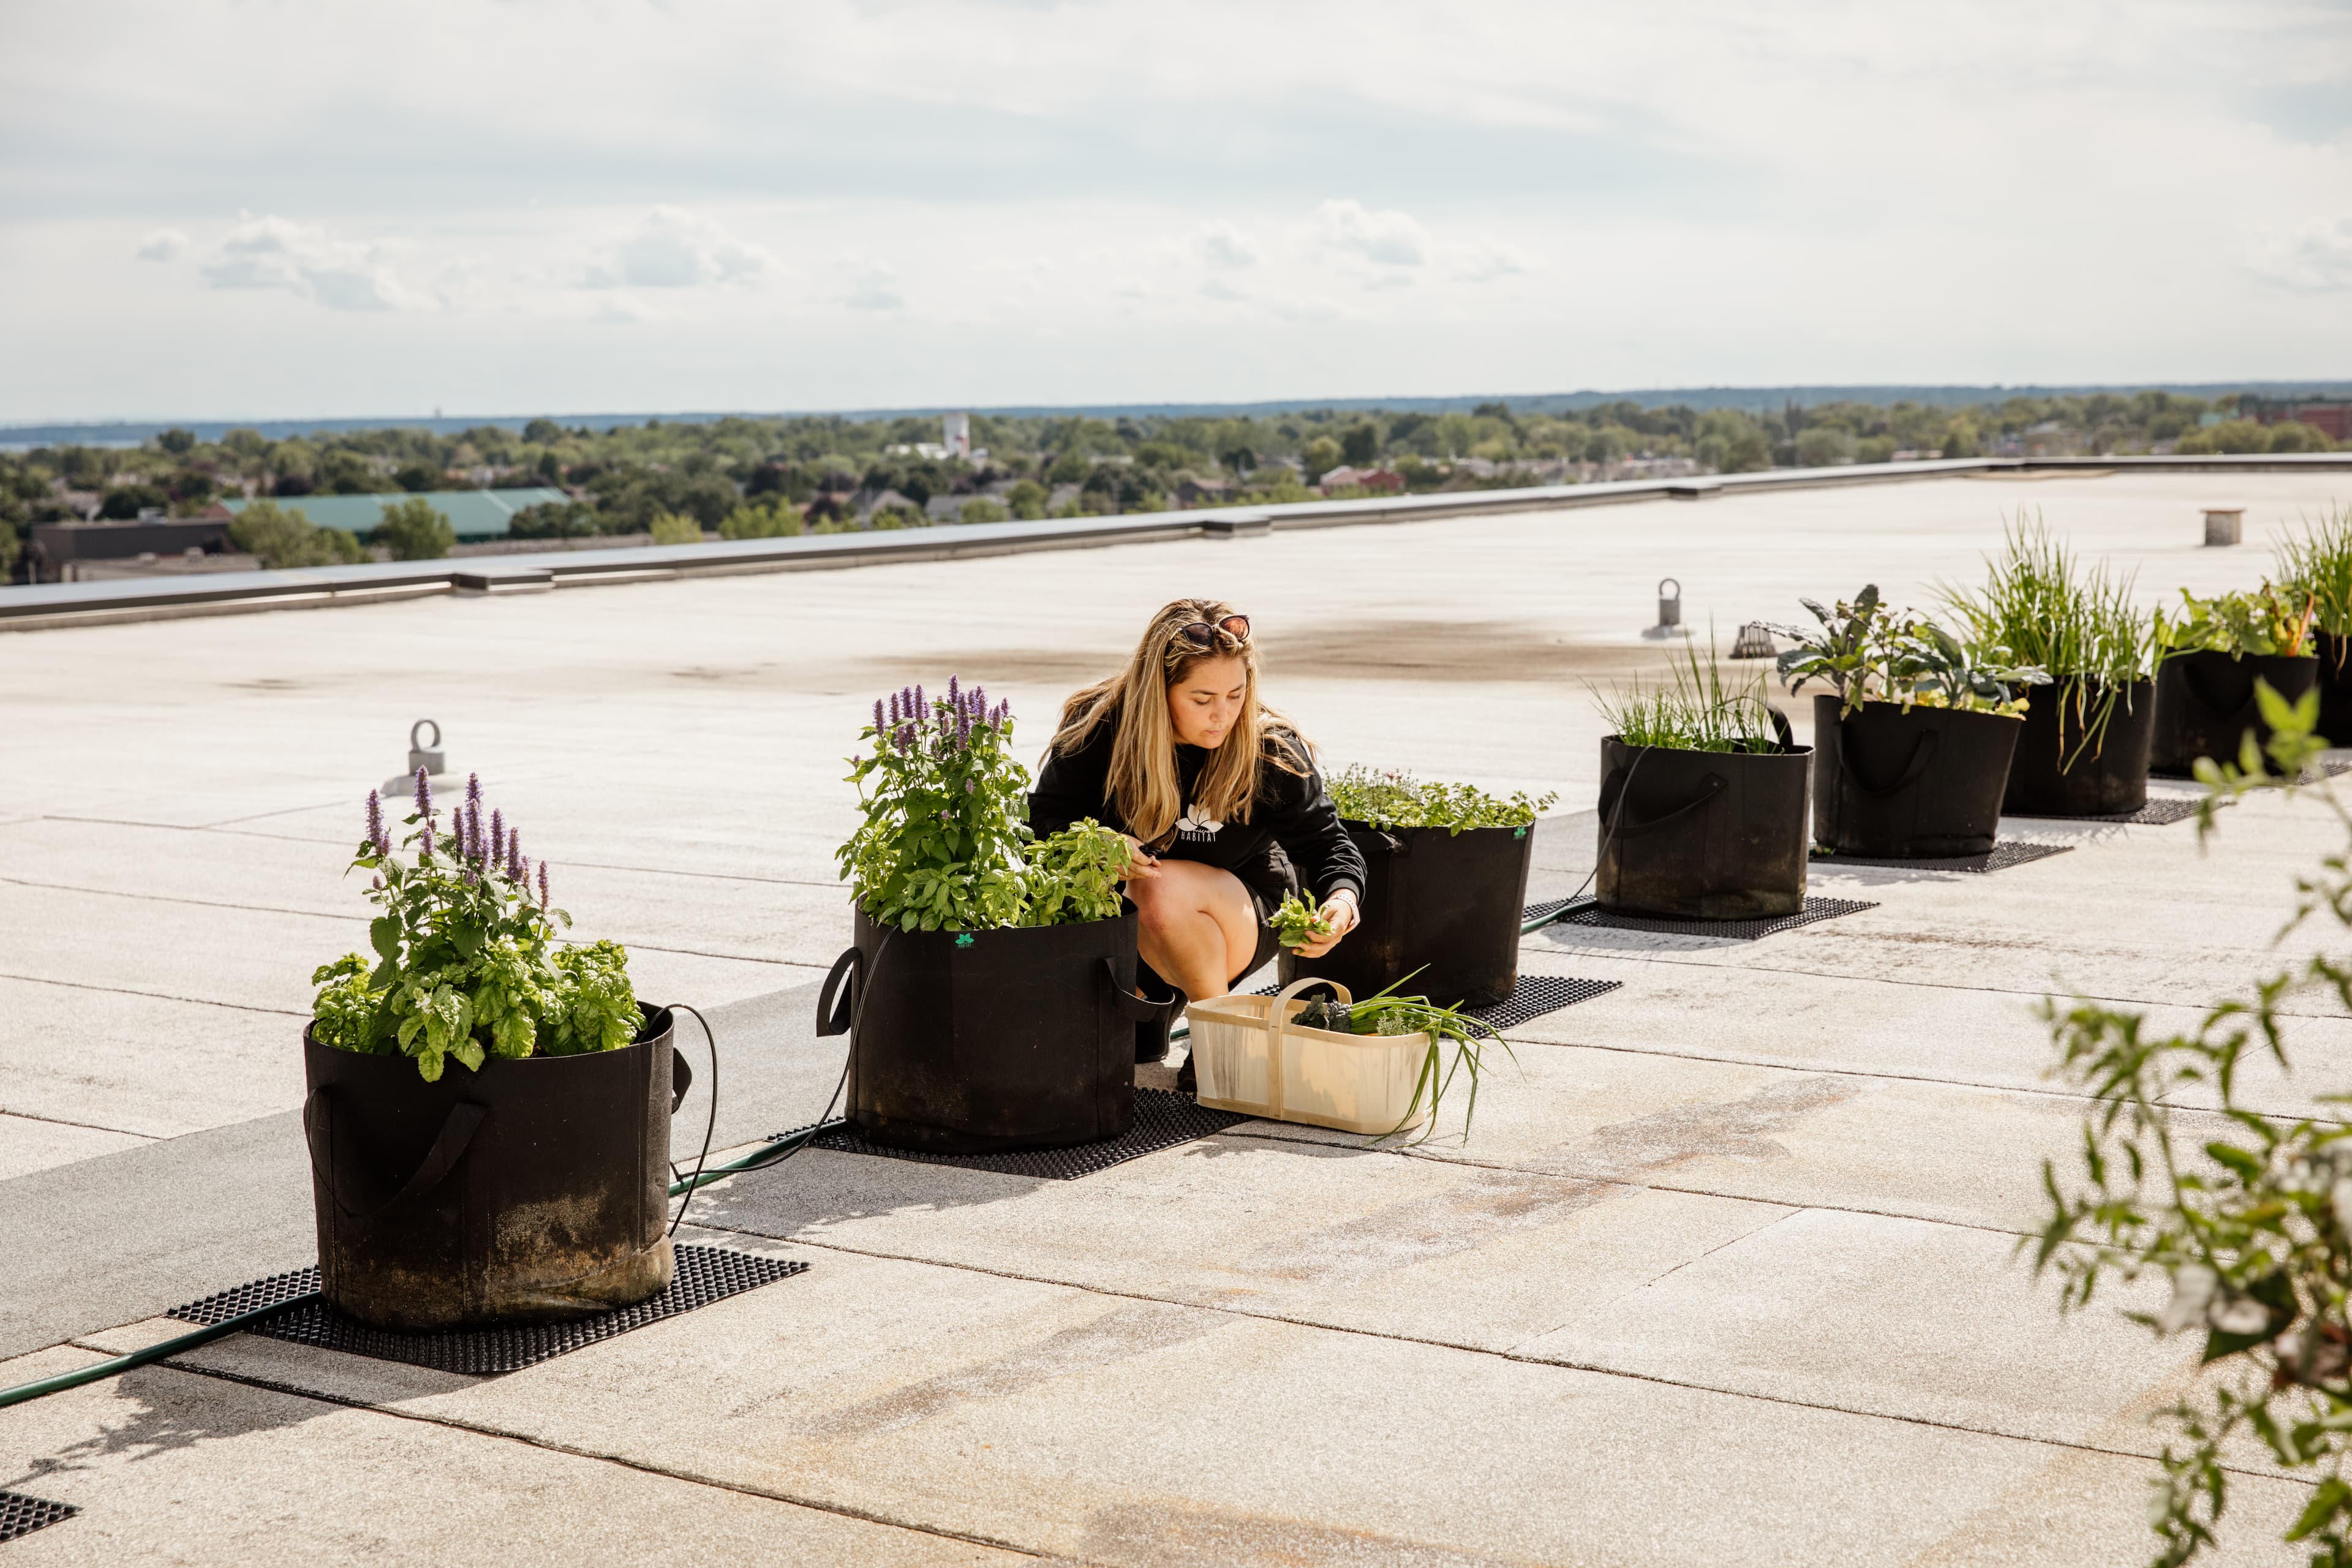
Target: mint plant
[467,962]
[2270,619]
[943,845]
[1394,798]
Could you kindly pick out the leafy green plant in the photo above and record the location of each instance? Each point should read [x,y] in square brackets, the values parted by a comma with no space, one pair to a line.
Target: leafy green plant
[2271,619]
[1699,711]
[669,527]
[1393,1014]
[2318,566]
[2252,1230]
[1866,652]
[468,965]
[1296,922]
[943,845]
[1394,798]
[774,517]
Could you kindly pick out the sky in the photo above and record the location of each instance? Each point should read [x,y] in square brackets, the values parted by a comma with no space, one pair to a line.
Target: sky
[247,208]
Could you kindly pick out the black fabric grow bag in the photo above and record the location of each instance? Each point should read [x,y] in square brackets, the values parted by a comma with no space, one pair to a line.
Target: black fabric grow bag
[529,1191]
[2062,769]
[984,1042]
[2205,703]
[2336,688]
[1914,784]
[1702,835]
[1448,905]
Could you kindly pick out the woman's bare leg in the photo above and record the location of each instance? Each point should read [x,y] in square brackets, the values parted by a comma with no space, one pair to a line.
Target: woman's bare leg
[1198,927]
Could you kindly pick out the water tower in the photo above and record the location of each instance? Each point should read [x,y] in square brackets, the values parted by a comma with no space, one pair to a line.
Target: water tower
[957,430]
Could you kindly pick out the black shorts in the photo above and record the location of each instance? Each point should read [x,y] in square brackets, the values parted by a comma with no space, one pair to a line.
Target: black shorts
[1268,944]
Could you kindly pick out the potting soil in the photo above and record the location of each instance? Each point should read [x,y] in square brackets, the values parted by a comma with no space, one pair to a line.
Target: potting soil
[1163,1119]
[2007,853]
[704,1274]
[1736,931]
[22,1515]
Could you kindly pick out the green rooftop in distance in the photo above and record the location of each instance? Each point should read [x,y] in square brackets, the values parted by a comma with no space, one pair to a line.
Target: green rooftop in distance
[474,514]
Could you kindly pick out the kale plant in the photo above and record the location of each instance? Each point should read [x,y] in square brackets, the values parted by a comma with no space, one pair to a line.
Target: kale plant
[2252,1230]
[1392,798]
[943,845]
[466,964]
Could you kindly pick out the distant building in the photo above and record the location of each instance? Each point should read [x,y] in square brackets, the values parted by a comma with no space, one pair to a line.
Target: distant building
[1384,479]
[957,429]
[1203,492]
[2332,417]
[61,551]
[472,514]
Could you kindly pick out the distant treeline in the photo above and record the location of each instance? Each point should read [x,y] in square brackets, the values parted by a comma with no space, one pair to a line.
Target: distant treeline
[625,479]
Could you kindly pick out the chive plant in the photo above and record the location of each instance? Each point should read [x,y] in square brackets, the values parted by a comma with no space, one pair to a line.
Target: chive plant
[2050,611]
[1698,711]
[2318,567]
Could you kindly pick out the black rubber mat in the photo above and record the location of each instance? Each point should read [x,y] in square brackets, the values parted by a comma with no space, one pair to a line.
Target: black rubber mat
[1591,914]
[22,1515]
[2159,810]
[704,1274]
[2005,854]
[1532,997]
[2330,767]
[1163,1119]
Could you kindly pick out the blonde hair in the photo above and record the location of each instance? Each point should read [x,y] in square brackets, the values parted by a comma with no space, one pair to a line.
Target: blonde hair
[1142,785]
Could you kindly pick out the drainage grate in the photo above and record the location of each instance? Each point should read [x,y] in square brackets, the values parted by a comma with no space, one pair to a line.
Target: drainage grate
[1736,931]
[1532,997]
[704,1274]
[1163,1119]
[2011,852]
[22,1515]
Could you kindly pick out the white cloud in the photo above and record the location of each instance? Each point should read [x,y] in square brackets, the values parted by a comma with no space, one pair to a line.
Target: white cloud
[2315,260]
[1386,237]
[876,289]
[1220,244]
[1488,259]
[162,245]
[271,252]
[674,249]
[1218,289]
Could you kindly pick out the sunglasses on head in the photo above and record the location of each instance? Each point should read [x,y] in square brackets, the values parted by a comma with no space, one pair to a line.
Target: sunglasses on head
[1203,635]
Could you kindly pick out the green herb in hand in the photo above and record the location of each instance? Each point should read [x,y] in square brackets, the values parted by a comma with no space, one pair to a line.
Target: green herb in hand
[1296,923]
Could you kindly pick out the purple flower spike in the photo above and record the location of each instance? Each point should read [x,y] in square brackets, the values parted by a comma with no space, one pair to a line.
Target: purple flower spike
[473,792]
[425,845]
[877,715]
[497,845]
[952,698]
[542,886]
[375,833]
[515,862]
[922,708]
[969,787]
[424,795]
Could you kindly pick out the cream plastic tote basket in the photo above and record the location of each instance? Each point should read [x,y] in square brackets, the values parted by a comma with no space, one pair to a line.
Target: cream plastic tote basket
[1251,1059]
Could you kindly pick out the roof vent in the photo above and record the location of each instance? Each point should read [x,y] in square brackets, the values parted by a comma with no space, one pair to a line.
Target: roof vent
[1755,641]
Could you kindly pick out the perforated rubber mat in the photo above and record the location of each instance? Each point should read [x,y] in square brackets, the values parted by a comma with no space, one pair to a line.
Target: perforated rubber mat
[704,1274]
[22,1515]
[1163,1119]
[2008,853]
[2331,767]
[1591,914]
[2159,810]
[1532,997]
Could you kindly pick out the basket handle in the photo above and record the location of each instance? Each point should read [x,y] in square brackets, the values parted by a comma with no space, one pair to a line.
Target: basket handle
[1278,1020]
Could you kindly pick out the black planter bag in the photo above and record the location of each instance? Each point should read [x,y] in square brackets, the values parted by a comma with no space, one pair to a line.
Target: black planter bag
[530,1191]
[1448,905]
[2334,688]
[2205,703]
[2061,770]
[1923,783]
[984,1042]
[1702,835]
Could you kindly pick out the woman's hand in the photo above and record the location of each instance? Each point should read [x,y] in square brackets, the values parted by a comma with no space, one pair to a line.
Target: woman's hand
[1140,862]
[1340,910]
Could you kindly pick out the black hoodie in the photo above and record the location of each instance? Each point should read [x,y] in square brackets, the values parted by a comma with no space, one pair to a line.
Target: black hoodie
[1291,821]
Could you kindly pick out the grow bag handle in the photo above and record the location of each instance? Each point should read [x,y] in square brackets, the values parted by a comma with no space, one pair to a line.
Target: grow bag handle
[2196,689]
[1134,1004]
[681,1076]
[1709,788]
[1780,731]
[835,1010]
[1923,752]
[457,1130]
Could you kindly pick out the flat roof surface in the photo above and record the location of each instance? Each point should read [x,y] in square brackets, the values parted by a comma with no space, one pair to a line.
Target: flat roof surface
[1724,1272]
